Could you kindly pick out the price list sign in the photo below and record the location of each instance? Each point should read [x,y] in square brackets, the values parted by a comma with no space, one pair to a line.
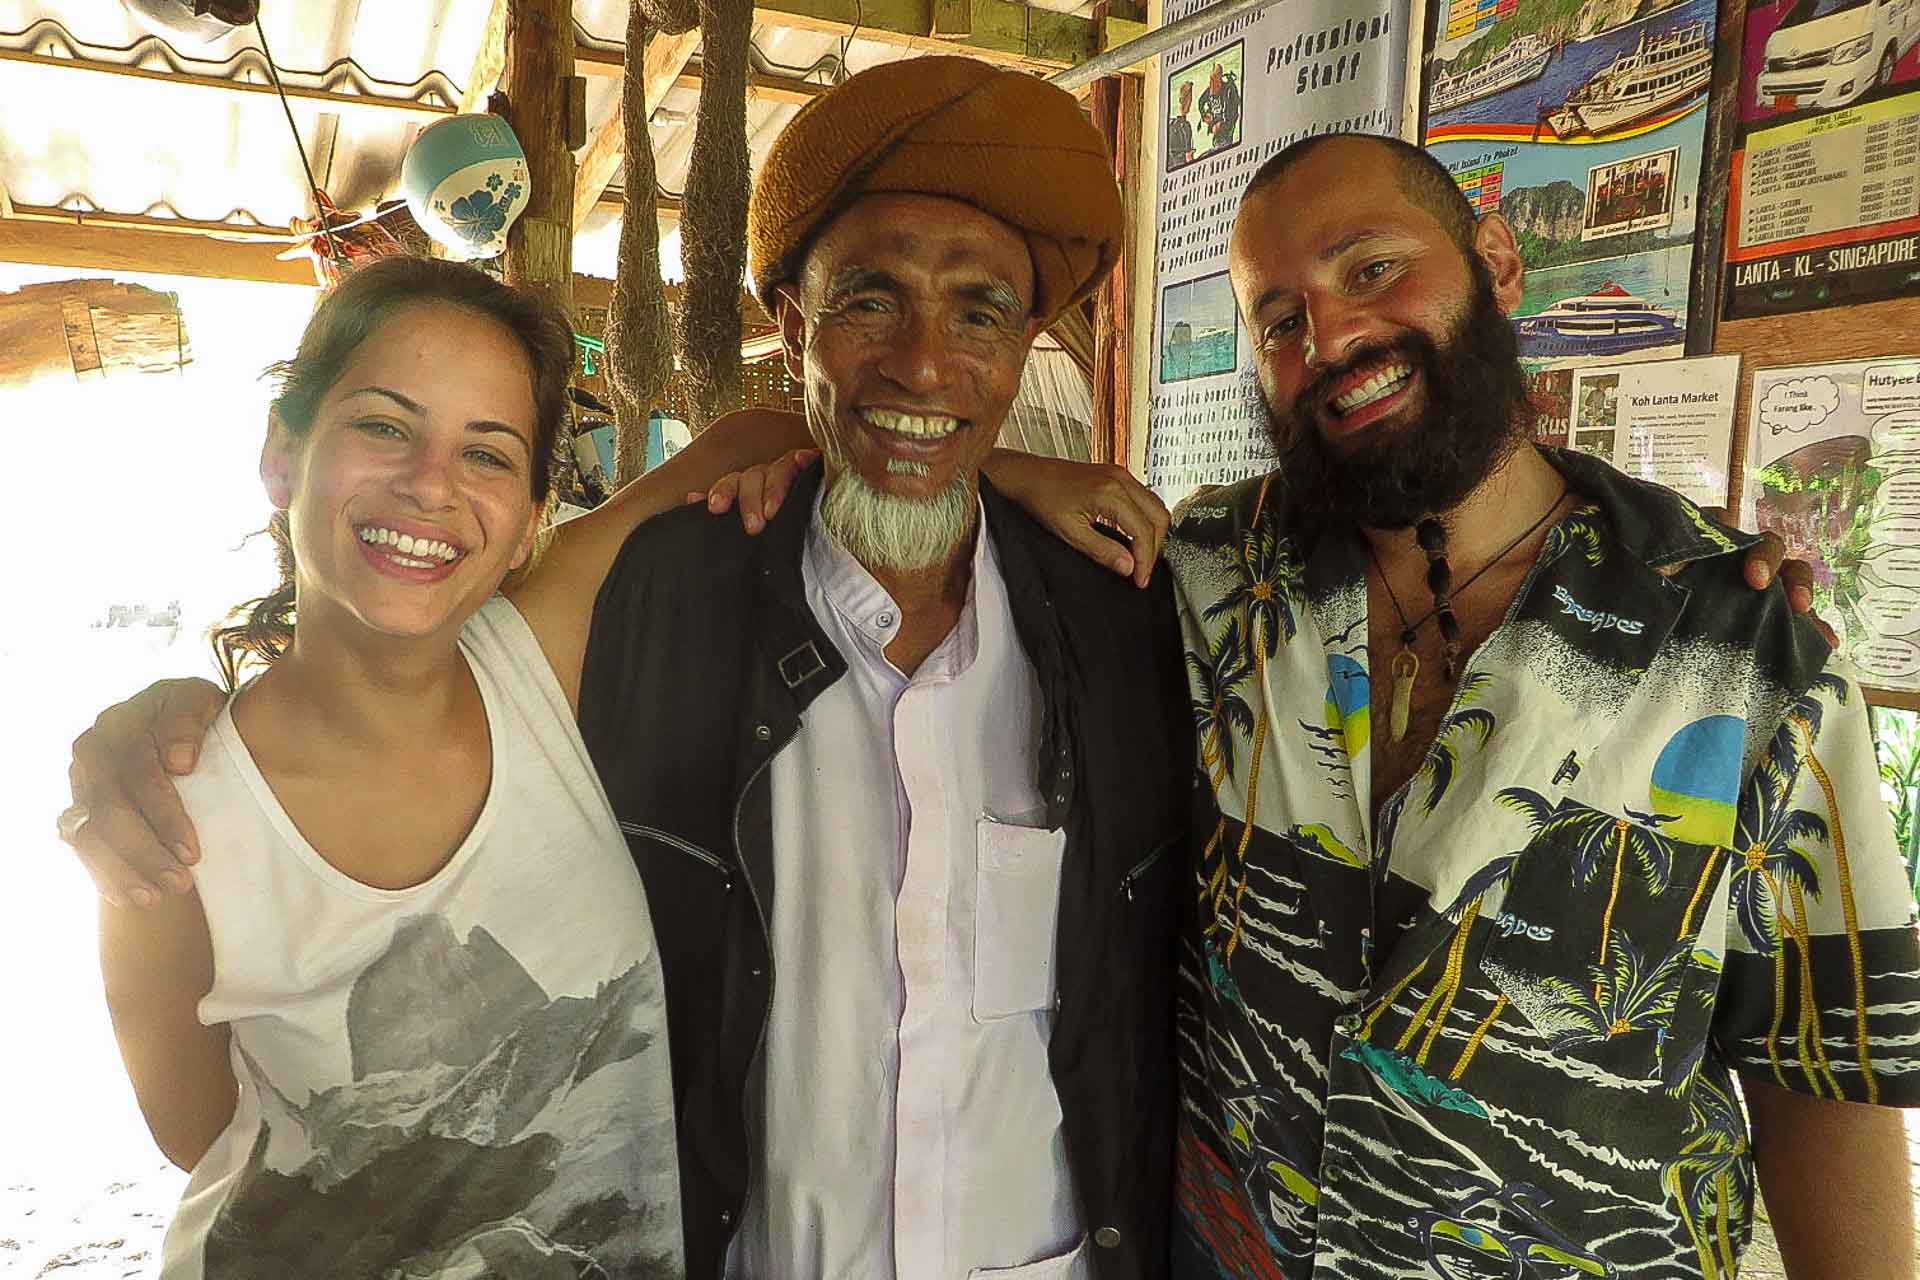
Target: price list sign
[1827,210]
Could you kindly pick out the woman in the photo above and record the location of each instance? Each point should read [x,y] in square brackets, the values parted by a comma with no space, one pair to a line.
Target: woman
[410,1023]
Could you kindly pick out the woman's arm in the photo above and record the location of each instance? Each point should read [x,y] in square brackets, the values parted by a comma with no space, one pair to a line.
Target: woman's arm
[557,597]
[158,964]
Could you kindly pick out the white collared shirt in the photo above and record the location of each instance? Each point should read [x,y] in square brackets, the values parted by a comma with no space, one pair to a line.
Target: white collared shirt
[910,1126]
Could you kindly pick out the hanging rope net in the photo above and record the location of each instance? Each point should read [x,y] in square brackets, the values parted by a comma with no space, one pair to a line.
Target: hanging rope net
[639,334]
[1053,414]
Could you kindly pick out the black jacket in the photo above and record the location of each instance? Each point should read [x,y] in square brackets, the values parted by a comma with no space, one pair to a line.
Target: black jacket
[702,661]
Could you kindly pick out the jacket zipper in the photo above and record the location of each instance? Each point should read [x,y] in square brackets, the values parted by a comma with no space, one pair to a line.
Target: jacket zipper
[766,1015]
[1141,867]
[672,841]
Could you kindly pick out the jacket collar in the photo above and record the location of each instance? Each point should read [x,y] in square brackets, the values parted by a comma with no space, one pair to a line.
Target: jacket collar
[804,661]
[1654,525]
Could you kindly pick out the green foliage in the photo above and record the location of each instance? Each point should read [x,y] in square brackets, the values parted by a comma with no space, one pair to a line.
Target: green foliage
[1552,18]
[1539,251]
[1896,740]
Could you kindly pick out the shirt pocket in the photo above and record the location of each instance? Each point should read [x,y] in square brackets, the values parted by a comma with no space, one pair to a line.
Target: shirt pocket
[1071,1265]
[1597,943]
[1016,915]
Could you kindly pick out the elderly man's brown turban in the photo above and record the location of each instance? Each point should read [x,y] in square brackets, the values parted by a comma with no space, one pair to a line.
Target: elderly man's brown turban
[1005,142]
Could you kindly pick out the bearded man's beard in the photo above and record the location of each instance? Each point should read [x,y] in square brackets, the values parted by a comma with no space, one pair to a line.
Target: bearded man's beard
[1476,397]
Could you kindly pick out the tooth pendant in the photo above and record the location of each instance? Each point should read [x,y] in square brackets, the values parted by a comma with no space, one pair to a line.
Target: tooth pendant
[1406,669]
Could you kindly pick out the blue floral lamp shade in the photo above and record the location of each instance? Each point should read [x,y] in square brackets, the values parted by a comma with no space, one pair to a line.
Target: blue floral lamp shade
[465,179]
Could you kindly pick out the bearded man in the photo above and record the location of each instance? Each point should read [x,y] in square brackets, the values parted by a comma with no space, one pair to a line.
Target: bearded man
[1531,828]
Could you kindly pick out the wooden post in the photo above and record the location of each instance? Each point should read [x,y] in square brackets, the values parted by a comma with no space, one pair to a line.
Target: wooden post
[1118,109]
[537,81]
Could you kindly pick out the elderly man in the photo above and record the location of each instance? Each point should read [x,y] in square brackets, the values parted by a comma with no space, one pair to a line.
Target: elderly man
[909,860]
[911,863]
[1532,828]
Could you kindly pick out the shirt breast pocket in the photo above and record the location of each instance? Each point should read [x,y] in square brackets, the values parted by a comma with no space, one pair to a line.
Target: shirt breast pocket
[1598,942]
[1016,915]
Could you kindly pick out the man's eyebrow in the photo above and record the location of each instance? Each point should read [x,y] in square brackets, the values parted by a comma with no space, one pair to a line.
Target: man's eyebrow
[1268,298]
[1347,242]
[1328,254]
[859,279]
[997,293]
[482,426]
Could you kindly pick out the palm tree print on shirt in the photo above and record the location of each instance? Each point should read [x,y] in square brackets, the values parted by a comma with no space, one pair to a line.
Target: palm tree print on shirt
[1806,717]
[1711,1181]
[1775,868]
[1443,758]
[1628,995]
[1580,531]
[1599,838]
[1464,911]
[1218,706]
[1260,613]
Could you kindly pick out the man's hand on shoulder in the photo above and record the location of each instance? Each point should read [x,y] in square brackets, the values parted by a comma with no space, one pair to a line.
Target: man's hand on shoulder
[1767,560]
[126,822]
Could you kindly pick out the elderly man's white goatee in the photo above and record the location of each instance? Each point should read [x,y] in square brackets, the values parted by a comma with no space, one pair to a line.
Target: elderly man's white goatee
[889,531]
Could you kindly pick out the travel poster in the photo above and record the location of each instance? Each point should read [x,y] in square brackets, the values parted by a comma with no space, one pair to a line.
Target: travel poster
[1824,196]
[1670,421]
[1231,99]
[1834,468]
[1583,125]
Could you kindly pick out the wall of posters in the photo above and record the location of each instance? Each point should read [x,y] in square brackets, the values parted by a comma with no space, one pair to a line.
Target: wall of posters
[1670,422]
[1834,463]
[1231,99]
[1582,123]
[1824,198]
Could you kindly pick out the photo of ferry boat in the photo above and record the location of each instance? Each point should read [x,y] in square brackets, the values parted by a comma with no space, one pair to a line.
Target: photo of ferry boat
[1661,71]
[1520,61]
[1606,322]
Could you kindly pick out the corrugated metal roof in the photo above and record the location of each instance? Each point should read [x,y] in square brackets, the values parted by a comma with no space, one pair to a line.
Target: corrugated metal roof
[132,144]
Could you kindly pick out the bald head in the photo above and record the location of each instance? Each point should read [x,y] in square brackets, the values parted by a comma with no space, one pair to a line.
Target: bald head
[1423,180]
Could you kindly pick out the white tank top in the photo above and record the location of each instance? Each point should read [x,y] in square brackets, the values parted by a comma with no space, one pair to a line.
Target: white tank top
[465,1078]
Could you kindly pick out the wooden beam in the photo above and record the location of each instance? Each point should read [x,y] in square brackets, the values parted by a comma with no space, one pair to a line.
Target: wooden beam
[591,61]
[994,31]
[760,84]
[489,61]
[997,30]
[665,57]
[98,248]
[615,201]
[303,99]
[765,87]
[147,222]
[538,71]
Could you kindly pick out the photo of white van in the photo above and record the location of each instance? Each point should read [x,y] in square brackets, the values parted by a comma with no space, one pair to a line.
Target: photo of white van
[1827,53]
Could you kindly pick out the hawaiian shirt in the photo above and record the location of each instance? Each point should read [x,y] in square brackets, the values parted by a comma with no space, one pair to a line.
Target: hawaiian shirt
[1495,1034]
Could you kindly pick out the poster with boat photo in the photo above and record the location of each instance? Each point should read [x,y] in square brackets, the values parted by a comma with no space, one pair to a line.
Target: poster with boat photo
[1824,195]
[1229,99]
[1582,123]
